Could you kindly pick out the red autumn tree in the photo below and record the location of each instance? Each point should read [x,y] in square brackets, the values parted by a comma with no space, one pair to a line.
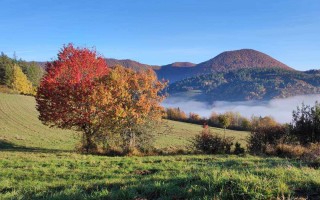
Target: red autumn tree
[63,96]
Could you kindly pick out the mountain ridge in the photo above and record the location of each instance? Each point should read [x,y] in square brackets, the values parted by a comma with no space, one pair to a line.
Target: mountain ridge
[230,76]
[223,62]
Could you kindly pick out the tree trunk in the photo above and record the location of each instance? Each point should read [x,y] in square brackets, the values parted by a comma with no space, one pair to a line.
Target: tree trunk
[88,143]
[132,140]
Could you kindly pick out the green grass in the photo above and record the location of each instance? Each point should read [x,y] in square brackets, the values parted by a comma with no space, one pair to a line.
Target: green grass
[36,163]
[19,125]
[178,134]
[35,175]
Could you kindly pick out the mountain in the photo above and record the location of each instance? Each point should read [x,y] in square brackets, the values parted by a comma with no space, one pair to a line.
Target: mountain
[179,65]
[239,59]
[247,84]
[174,71]
[129,64]
[224,62]
[126,63]
[244,74]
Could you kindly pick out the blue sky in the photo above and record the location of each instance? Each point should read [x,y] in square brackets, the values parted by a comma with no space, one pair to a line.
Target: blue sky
[161,32]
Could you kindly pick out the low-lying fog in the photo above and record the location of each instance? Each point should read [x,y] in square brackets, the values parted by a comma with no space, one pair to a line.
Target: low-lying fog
[279,109]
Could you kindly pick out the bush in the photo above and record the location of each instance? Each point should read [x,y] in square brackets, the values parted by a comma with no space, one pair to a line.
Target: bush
[313,154]
[263,136]
[290,151]
[309,154]
[238,149]
[212,143]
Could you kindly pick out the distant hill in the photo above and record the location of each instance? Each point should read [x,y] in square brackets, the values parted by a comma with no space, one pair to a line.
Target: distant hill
[129,64]
[239,59]
[174,71]
[41,64]
[179,65]
[248,84]
[226,61]
[244,74]
[126,63]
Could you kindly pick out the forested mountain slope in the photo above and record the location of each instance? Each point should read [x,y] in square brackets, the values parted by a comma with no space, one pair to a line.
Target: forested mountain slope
[250,84]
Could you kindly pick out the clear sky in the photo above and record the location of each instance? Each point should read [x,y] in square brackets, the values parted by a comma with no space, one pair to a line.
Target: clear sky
[163,31]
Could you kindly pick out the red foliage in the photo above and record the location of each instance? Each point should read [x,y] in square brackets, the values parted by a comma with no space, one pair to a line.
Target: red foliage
[62,97]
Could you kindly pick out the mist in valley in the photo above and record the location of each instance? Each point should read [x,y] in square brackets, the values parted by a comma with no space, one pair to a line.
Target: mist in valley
[279,109]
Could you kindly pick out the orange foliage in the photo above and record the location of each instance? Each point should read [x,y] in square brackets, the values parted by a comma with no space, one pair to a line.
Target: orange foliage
[128,97]
[80,92]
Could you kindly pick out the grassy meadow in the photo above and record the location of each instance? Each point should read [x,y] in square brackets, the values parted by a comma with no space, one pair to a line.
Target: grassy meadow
[19,125]
[61,175]
[37,162]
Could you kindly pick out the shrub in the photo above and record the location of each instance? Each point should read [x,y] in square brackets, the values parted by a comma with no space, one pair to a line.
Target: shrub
[313,154]
[290,151]
[310,153]
[262,136]
[238,149]
[212,143]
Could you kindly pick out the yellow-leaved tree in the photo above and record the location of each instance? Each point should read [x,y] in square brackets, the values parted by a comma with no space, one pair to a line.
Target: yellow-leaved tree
[131,104]
[20,81]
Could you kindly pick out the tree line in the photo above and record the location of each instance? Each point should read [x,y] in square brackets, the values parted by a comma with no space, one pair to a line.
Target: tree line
[230,120]
[20,76]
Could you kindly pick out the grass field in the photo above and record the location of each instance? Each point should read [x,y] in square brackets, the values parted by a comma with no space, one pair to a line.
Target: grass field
[36,163]
[19,125]
[59,175]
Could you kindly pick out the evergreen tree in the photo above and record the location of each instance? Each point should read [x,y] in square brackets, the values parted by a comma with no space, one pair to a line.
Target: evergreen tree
[33,71]
[6,70]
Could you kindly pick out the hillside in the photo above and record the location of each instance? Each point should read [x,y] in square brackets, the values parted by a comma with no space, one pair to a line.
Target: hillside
[249,84]
[125,62]
[20,126]
[36,163]
[224,62]
[129,64]
[175,71]
[239,59]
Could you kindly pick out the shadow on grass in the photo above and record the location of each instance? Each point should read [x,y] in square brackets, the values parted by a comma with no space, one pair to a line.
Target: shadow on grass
[8,146]
[170,188]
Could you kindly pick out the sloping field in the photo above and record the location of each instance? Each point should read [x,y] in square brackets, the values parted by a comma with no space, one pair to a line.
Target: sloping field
[19,125]
[31,169]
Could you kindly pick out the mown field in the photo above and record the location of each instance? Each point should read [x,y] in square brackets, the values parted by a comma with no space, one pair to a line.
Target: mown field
[37,162]
[19,125]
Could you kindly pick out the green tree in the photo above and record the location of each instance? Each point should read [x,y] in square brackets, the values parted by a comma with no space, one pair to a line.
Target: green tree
[306,123]
[33,71]
[225,121]
[6,70]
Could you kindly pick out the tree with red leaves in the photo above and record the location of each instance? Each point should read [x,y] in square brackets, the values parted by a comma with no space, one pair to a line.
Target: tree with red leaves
[63,98]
